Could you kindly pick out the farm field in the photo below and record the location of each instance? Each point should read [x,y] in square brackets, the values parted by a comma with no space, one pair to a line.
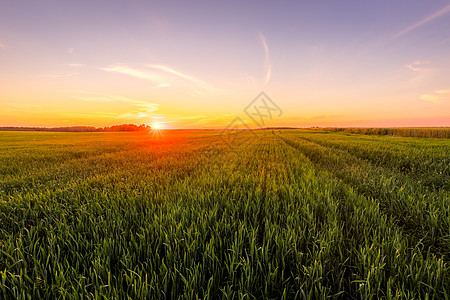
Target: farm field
[273,214]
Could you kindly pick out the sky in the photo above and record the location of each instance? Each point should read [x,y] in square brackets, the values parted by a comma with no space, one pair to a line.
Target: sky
[202,64]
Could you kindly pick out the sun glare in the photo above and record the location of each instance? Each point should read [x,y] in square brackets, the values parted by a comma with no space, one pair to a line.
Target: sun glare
[156,126]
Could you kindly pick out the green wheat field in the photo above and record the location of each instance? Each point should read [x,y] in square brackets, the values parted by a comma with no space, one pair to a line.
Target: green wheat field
[264,214]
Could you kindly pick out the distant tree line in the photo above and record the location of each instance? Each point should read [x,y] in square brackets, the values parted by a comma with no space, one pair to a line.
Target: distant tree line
[425,132]
[127,127]
[114,128]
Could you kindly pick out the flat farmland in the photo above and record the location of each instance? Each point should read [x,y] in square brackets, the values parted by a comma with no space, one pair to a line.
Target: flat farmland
[273,214]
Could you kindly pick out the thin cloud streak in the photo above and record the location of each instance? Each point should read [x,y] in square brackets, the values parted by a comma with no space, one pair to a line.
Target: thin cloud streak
[164,76]
[75,65]
[200,83]
[267,61]
[142,109]
[155,78]
[134,115]
[172,71]
[416,66]
[424,21]
[438,97]
[147,106]
[2,46]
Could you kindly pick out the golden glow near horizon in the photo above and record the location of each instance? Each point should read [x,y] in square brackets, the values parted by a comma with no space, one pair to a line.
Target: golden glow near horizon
[185,68]
[156,126]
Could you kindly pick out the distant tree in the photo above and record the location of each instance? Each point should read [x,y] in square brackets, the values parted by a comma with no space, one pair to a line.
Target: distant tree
[127,127]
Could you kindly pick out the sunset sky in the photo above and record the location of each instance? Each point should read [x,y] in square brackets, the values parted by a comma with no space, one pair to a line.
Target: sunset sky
[198,64]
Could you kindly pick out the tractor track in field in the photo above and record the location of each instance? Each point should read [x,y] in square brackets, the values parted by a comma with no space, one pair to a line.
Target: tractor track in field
[404,172]
[404,177]
[419,231]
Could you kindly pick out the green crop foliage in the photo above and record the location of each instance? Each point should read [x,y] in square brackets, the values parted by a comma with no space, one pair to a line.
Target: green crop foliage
[276,214]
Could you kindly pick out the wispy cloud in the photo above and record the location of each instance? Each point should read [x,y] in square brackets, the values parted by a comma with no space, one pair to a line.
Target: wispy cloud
[267,61]
[165,76]
[70,50]
[198,82]
[417,65]
[123,69]
[133,115]
[75,65]
[2,46]
[424,21]
[175,72]
[439,96]
[142,110]
[142,105]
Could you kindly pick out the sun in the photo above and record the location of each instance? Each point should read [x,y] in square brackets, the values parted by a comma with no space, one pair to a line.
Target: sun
[156,126]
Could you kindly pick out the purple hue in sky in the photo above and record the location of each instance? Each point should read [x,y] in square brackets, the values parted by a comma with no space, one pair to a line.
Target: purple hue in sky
[331,62]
